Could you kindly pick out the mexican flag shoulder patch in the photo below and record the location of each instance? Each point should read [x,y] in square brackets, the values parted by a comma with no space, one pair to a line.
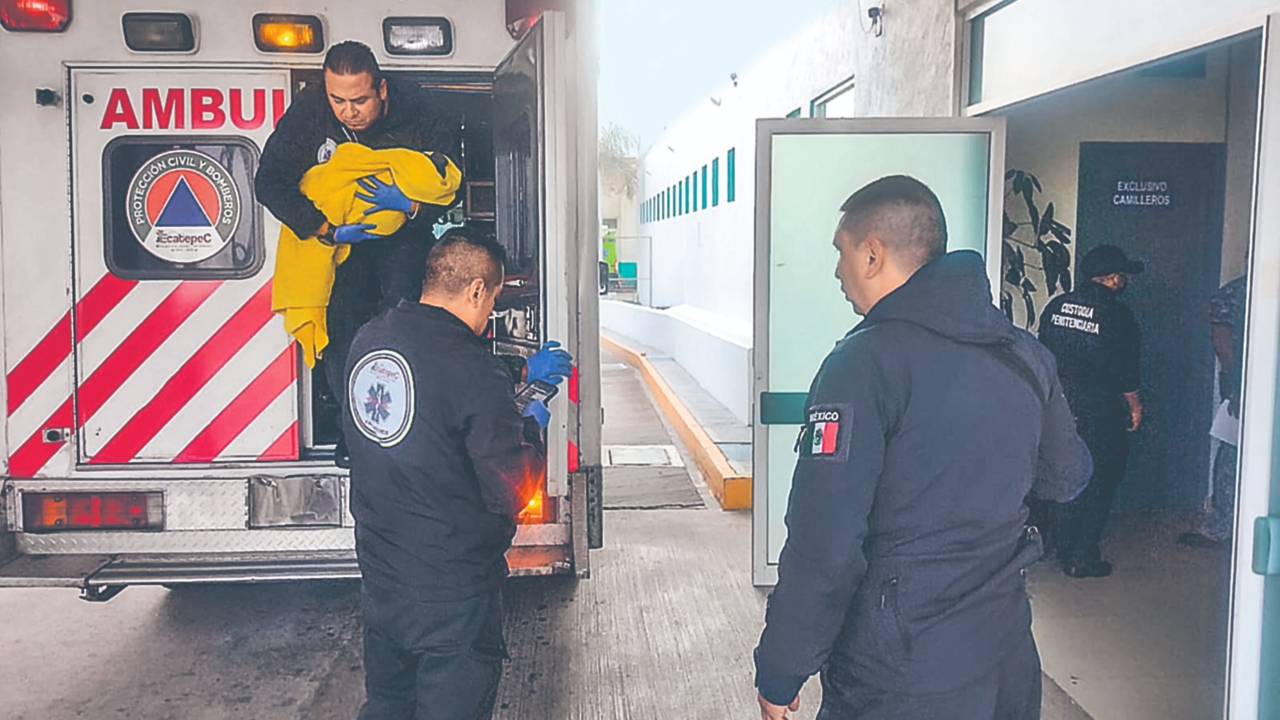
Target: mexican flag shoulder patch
[824,435]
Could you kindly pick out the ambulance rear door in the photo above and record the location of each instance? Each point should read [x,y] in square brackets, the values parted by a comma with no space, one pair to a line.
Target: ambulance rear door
[177,357]
[535,162]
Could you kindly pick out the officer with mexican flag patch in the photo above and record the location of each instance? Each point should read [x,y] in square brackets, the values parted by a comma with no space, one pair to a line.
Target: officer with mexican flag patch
[902,578]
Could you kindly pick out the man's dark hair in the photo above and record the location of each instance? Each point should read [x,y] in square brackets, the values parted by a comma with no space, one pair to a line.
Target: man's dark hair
[459,258]
[351,57]
[904,213]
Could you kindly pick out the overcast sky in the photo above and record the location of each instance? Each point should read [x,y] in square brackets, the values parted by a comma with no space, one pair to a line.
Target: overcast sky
[660,57]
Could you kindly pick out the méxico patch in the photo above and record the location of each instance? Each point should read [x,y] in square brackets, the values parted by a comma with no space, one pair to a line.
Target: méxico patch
[824,432]
[380,395]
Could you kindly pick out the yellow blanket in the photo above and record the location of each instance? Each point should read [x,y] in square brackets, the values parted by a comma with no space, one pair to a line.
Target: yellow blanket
[305,268]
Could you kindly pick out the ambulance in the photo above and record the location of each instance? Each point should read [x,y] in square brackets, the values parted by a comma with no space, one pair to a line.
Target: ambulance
[159,424]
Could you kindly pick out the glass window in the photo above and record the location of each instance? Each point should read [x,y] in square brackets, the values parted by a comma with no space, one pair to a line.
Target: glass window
[180,208]
[704,187]
[794,113]
[715,182]
[836,102]
[730,191]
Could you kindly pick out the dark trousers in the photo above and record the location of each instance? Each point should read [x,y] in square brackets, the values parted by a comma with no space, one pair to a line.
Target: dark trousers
[431,660]
[1077,526]
[377,275]
[1011,691]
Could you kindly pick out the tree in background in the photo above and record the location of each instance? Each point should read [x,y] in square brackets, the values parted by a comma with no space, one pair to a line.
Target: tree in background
[618,161]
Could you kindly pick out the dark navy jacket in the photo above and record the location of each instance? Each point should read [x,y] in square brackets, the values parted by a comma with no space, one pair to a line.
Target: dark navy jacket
[905,547]
[440,461]
[307,133]
[1097,344]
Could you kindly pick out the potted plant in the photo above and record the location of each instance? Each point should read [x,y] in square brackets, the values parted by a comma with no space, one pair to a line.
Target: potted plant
[1038,231]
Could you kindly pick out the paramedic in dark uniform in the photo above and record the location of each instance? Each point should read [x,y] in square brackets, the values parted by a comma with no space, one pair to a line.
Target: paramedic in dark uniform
[1096,342]
[355,104]
[902,577]
[441,465]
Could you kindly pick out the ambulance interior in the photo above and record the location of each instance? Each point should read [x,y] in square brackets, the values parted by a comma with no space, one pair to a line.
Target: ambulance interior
[498,160]
[1159,160]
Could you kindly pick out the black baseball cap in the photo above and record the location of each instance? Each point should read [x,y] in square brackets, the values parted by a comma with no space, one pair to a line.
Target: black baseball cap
[1107,259]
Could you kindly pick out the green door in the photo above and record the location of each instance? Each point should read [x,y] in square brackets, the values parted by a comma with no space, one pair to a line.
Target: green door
[805,169]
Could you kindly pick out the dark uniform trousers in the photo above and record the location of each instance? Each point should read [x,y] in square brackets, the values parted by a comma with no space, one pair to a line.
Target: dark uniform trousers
[1011,691]
[377,275]
[431,660]
[1079,524]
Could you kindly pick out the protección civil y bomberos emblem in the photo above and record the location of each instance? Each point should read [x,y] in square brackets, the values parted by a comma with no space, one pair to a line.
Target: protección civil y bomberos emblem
[183,206]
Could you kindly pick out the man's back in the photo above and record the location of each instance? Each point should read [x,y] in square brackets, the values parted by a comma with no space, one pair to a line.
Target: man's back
[947,414]
[435,491]
[1095,340]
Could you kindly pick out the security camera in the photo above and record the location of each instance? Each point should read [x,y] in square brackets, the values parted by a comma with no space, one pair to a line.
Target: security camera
[874,12]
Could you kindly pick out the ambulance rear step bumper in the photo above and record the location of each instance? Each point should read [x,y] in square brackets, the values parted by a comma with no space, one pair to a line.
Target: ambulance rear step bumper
[100,571]
[175,569]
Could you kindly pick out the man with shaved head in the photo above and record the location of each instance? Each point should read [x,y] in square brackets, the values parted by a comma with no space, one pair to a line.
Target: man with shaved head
[902,578]
[442,463]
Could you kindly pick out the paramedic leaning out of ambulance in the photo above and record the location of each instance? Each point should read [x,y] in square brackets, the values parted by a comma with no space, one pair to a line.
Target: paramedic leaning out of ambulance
[441,464]
[356,104]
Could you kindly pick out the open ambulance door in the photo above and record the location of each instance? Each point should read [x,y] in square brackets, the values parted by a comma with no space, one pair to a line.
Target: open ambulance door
[805,169]
[536,183]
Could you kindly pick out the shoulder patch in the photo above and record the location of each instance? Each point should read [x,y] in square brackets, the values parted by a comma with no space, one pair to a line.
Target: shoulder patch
[380,395]
[326,151]
[827,432]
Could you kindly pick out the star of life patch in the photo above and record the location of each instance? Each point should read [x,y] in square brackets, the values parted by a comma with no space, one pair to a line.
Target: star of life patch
[381,398]
[326,151]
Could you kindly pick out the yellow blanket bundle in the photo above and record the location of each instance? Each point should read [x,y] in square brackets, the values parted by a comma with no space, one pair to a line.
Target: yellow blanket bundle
[305,267]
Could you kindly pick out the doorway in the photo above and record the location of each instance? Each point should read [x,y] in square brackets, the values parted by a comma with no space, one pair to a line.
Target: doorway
[1150,641]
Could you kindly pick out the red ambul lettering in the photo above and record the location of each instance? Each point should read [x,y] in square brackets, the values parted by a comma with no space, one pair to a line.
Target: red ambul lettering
[209,109]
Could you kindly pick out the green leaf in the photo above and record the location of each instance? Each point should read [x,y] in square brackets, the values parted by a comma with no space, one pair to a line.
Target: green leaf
[1028,286]
[1009,175]
[1010,227]
[1035,182]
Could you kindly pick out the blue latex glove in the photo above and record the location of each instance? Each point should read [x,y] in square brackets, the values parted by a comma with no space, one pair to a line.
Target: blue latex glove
[539,412]
[355,233]
[383,196]
[551,364]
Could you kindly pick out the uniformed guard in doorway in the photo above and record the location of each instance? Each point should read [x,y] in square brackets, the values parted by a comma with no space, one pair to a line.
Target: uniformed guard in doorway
[902,578]
[1096,341]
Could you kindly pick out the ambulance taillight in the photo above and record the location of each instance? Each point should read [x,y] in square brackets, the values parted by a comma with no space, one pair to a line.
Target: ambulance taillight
[522,14]
[35,15]
[44,512]
[158,32]
[432,36]
[278,33]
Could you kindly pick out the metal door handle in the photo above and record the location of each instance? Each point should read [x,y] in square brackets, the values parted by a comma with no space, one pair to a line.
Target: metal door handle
[1266,545]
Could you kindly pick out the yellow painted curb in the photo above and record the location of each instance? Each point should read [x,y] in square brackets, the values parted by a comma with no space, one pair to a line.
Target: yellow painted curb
[731,488]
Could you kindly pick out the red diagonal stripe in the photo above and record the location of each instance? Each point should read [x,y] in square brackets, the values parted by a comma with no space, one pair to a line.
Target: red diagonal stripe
[241,411]
[194,374]
[150,333]
[285,447]
[44,358]
[100,300]
[35,452]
